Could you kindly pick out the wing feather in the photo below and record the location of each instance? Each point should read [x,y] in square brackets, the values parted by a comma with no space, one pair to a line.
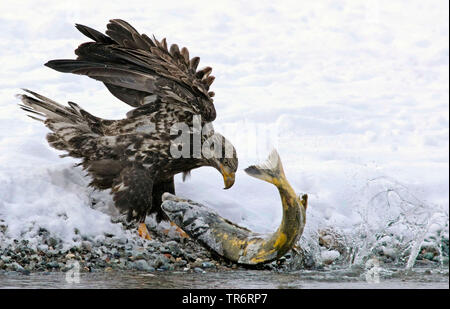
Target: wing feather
[134,66]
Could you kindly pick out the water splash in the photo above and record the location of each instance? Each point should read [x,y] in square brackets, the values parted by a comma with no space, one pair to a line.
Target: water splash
[393,223]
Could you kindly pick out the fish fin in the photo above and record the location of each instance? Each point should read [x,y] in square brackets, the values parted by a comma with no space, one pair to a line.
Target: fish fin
[271,170]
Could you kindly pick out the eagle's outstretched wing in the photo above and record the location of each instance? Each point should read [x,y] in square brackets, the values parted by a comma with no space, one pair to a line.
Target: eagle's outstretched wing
[138,70]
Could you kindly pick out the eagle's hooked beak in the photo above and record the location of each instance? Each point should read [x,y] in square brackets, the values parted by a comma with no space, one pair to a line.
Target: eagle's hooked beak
[228,176]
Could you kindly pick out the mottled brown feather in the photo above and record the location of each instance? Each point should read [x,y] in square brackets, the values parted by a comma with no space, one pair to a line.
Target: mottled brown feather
[124,59]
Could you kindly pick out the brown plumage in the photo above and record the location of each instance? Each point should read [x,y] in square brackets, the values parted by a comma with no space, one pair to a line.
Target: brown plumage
[132,156]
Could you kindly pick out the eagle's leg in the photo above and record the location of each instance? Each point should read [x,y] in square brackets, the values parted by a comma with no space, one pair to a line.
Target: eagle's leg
[159,189]
[143,232]
[132,190]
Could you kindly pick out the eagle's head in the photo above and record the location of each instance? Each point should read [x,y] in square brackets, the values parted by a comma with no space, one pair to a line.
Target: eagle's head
[221,155]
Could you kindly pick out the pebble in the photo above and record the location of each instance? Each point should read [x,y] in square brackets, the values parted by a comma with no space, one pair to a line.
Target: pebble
[160,261]
[164,249]
[52,242]
[86,245]
[428,256]
[164,267]
[143,265]
[53,264]
[16,266]
[5,259]
[208,265]
[199,270]
[70,256]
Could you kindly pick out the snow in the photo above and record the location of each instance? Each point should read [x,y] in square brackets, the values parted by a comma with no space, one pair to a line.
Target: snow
[353,95]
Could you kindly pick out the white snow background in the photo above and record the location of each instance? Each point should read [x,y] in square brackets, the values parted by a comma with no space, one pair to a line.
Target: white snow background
[353,94]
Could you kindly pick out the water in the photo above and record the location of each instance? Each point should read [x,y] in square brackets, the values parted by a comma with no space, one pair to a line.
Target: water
[249,279]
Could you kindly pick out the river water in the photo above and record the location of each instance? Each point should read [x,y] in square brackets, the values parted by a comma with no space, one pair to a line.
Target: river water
[234,279]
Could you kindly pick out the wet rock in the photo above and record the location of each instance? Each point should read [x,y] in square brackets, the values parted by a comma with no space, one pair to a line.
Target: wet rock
[53,264]
[197,263]
[86,246]
[117,255]
[16,267]
[174,249]
[160,261]
[428,256]
[180,263]
[25,272]
[70,256]
[139,254]
[199,270]
[165,267]
[164,249]
[122,240]
[143,265]
[332,240]
[445,246]
[52,242]
[208,265]
[5,259]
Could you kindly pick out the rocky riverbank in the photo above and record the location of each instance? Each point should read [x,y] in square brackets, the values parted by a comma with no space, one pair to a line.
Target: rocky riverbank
[167,251]
[108,253]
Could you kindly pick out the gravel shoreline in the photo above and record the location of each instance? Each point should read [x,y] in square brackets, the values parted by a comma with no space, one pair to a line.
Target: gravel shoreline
[109,252]
[167,251]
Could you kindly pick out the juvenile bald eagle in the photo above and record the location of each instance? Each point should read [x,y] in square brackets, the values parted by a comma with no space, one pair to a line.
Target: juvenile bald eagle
[133,156]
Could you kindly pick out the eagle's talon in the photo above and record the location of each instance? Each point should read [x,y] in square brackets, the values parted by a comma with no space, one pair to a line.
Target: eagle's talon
[143,232]
[179,231]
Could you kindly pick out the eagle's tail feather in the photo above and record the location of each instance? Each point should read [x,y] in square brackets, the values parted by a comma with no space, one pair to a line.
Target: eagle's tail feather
[70,128]
[45,107]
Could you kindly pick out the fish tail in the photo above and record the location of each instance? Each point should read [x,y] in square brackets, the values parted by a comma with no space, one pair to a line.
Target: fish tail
[271,170]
